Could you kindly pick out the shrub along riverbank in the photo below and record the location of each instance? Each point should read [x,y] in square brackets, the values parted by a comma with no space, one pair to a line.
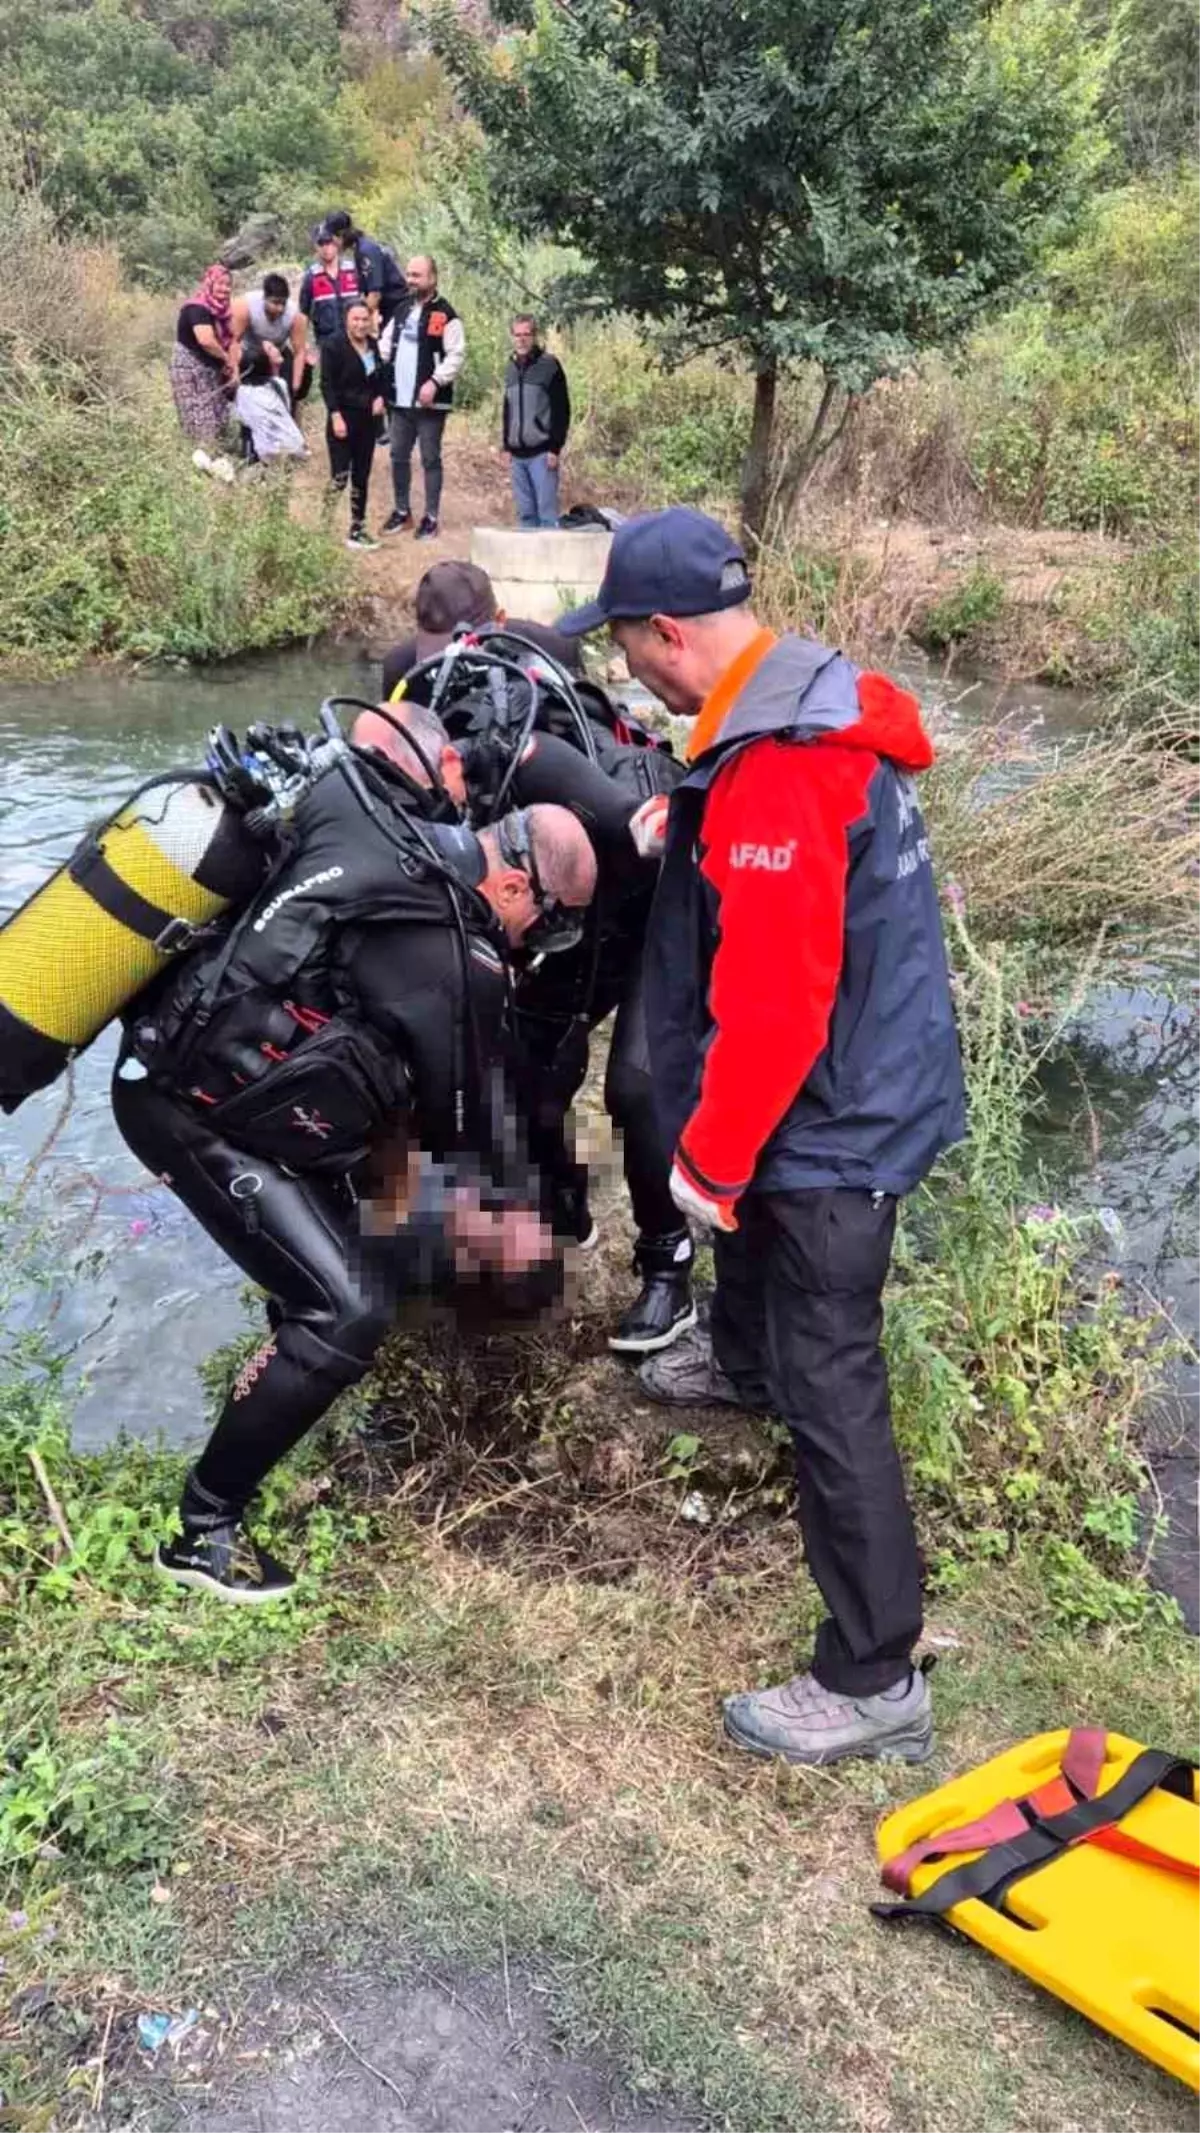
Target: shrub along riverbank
[488,1728]
[110,543]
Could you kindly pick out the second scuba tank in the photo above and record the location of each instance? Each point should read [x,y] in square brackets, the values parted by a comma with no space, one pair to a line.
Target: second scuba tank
[134,893]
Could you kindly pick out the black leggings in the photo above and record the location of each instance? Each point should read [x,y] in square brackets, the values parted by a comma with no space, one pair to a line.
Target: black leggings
[350,459]
[333,1299]
[628,1090]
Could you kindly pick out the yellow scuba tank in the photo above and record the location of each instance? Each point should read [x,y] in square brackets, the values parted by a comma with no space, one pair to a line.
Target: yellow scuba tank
[132,895]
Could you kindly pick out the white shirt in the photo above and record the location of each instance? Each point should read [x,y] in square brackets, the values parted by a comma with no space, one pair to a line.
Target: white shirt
[407,344]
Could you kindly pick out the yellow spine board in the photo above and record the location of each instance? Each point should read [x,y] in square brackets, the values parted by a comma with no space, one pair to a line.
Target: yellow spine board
[1114,1937]
[67,966]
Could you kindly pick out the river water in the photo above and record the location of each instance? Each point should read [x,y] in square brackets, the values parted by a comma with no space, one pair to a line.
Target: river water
[1118,1136]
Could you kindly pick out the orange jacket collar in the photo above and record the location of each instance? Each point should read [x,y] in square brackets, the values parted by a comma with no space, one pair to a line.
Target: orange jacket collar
[725,692]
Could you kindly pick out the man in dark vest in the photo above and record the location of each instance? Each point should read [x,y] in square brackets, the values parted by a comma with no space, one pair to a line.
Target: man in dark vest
[331,283]
[424,349]
[807,1074]
[537,417]
[314,1087]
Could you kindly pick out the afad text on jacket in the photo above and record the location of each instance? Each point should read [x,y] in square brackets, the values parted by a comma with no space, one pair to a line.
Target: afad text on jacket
[800,1015]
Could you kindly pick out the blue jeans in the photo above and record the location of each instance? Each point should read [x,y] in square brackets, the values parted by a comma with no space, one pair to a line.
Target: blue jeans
[535,491]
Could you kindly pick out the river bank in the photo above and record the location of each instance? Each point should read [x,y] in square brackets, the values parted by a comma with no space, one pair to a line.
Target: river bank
[152,560]
[484,1744]
[1032,604]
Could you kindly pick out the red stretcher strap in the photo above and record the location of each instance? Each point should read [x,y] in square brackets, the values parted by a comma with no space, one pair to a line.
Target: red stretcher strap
[1078,1779]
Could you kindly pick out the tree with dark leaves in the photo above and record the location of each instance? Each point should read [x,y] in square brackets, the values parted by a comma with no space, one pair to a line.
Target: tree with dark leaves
[841,183]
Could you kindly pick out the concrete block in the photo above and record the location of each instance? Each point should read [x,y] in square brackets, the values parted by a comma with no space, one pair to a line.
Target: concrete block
[546,557]
[539,575]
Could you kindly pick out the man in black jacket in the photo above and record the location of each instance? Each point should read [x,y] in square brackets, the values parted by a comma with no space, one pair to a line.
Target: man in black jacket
[537,417]
[308,1086]
[352,387]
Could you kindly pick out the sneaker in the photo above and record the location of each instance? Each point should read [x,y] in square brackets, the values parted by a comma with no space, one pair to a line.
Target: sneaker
[225,1561]
[663,1310]
[805,1723]
[687,1374]
[202,460]
[223,469]
[399,522]
[358,537]
[427,530]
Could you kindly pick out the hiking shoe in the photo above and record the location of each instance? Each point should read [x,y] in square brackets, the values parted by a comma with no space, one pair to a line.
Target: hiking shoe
[224,1561]
[358,537]
[686,1374]
[663,1310]
[427,530]
[805,1723]
[399,522]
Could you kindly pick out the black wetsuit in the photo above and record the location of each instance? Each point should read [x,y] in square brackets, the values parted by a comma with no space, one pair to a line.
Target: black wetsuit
[414,985]
[569,995]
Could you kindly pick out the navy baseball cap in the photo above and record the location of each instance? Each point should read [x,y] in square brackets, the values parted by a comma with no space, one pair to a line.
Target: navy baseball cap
[676,562]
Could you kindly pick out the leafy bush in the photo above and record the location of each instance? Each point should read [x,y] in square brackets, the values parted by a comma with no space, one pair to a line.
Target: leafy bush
[138,110]
[116,546]
[1017,1366]
[112,543]
[1154,621]
[976,600]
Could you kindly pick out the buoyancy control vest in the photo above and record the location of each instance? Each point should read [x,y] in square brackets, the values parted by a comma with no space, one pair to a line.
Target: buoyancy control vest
[263,1028]
[493,690]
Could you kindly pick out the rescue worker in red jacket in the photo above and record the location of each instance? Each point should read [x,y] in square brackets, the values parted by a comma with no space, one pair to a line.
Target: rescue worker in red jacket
[807,1073]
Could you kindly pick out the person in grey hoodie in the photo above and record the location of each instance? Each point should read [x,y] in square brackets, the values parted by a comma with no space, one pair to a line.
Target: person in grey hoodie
[537,417]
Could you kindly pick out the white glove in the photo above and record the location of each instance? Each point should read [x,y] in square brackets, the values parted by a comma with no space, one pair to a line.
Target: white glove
[703,1208]
[648,827]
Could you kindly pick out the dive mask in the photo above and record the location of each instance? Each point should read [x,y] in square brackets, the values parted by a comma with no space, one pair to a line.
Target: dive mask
[558,926]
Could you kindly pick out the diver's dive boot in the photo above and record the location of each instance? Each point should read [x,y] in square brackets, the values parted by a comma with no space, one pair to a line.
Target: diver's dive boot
[215,1554]
[664,1308]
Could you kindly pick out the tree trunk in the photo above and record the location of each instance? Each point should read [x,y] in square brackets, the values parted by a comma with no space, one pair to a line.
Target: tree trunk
[803,460]
[756,472]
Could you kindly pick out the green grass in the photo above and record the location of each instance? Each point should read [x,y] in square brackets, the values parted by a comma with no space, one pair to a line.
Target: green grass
[432,1751]
[490,1720]
[121,549]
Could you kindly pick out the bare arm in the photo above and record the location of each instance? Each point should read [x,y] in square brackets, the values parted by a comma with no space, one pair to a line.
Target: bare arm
[206,338]
[229,358]
[298,340]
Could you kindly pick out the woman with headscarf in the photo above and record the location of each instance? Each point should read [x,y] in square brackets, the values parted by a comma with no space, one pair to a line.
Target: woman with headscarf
[204,360]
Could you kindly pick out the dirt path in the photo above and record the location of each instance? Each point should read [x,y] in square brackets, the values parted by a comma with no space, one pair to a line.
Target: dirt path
[435,2056]
[476,493]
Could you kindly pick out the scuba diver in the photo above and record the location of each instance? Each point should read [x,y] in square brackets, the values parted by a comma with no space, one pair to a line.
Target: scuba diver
[313,1085]
[485,737]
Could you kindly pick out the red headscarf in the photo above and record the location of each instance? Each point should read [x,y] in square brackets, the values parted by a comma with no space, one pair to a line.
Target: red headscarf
[220,306]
